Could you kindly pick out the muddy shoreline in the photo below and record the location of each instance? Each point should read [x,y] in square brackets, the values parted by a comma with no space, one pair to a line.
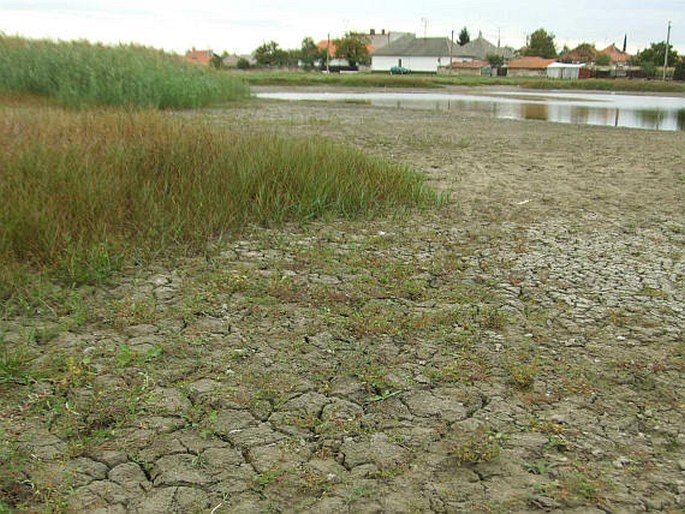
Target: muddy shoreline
[520,350]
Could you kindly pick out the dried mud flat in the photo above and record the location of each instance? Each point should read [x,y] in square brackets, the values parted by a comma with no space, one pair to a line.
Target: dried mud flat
[520,350]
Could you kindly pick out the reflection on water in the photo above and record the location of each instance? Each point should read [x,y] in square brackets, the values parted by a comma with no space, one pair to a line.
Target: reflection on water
[534,112]
[681,119]
[615,110]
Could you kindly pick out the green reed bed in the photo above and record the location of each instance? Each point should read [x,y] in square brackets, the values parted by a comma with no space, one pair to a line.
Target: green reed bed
[80,74]
[84,190]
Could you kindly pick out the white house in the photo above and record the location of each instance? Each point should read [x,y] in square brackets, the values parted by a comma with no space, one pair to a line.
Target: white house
[415,54]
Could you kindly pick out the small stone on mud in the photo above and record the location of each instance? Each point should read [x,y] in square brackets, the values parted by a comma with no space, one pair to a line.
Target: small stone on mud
[203,386]
[621,462]
[544,502]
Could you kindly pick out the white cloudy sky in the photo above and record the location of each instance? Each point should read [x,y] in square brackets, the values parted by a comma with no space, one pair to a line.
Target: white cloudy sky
[241,26]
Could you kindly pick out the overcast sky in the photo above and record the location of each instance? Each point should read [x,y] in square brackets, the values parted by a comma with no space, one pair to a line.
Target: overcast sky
[241,26]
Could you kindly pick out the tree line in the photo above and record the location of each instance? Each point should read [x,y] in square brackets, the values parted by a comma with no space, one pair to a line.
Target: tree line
[353,47]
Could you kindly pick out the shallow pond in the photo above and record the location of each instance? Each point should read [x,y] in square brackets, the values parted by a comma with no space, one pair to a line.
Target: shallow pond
[616,110]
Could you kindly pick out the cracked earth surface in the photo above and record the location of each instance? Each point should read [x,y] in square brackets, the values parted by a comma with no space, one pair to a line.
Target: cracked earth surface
[520,350]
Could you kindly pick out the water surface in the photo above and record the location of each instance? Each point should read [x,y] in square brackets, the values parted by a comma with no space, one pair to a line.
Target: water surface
[609,109]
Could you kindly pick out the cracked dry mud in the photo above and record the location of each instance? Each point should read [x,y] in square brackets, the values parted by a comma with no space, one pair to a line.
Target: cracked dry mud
[520,350]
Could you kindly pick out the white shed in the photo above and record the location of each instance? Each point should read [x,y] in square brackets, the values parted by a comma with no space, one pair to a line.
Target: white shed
[560,70]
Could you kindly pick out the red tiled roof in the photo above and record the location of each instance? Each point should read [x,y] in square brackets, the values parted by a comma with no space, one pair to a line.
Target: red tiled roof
[199,56]
[530,63]
[615,54]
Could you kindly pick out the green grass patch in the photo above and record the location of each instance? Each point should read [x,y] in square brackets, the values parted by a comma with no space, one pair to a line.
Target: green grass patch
[80,74]
[83,192]
[428,81]
[627,85]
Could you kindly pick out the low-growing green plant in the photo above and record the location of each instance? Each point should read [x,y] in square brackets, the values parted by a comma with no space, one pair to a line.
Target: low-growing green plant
[536,468]
[480,446]
[15,484]
[15,363]
[267,478]
[81,74]
[557,442]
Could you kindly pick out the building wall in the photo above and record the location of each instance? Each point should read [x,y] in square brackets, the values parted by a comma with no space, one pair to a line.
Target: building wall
[465,72]
[523,72]
[425,64]
[566,72]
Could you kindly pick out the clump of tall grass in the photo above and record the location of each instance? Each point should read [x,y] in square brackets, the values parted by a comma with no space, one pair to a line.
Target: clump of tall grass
[83,190]
[80,74]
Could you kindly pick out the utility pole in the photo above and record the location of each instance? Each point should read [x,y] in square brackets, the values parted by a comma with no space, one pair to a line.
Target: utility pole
[451,47]
[668,41]
[425,27]
[328,53]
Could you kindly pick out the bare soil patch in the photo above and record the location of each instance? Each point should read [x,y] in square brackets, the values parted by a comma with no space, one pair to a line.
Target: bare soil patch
[519,350]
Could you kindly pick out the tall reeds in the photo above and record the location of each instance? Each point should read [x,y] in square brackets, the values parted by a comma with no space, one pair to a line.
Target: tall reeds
[80,74]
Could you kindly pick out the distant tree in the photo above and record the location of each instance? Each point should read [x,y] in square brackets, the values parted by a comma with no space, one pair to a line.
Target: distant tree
[464,37]
[495,60]
[541,44]
[648,69]
[353,47]
[679,73]
[585,52]
[655,55]
[242,64]
[310,54]
[216,61]
[602,60]
[270,55]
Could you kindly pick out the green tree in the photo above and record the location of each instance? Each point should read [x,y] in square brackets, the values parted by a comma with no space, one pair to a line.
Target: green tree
[310,54]
[679,73]
[464,37]
[270,55]
[217,61]
[541,44]
[495,60]
[584,52]
[655,55]
[353,47]
[602,60]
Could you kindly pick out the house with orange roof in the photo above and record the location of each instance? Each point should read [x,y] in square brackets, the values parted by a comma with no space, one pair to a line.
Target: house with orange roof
[528,67]
[199,56]
[333,61]
[616,55]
